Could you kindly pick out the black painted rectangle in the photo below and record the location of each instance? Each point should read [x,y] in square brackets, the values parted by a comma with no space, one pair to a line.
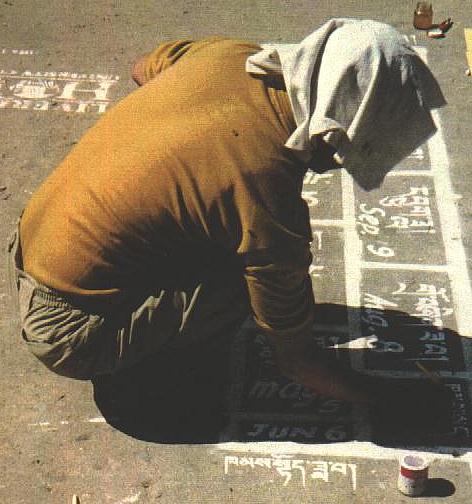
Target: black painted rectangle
[413,316]
[322,192]
[327,268]
[399,223]
[267,391]
[418,160]
[454,431]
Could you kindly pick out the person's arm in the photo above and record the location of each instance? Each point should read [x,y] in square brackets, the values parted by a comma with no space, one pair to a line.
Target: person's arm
[149,65]
[289,296]
[283,306]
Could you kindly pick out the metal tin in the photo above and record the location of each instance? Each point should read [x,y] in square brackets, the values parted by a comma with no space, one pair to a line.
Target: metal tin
[413,475]
[423,16]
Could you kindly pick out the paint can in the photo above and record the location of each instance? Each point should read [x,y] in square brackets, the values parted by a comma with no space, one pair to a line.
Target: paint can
[423,16]
[413,475]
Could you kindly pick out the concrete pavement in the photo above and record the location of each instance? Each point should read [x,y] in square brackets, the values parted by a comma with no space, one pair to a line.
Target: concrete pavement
[223,426]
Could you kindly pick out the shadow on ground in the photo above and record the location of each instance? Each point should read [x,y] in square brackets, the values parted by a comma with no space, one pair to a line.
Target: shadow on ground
[187,397]
[174,398]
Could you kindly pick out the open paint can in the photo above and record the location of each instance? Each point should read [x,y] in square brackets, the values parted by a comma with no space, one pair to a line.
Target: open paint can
[413,475]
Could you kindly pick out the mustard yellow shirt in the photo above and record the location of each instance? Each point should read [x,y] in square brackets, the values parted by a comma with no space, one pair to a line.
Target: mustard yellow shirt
[186,175]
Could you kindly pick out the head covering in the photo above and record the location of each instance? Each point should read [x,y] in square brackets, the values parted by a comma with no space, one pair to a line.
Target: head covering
[359,86]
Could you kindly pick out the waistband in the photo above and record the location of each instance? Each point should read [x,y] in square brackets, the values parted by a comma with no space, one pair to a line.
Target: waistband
[47,294]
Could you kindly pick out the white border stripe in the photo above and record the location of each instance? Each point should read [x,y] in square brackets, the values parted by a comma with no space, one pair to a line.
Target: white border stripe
[405,266]
[327,222]
[352,449]
[352,264]
[450,225]
[410,173]
[451,231]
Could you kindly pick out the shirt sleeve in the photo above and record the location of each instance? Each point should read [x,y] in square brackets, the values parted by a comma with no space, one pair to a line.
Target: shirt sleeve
[281,296]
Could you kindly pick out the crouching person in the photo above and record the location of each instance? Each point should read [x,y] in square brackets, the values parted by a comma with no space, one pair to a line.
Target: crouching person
[180,212]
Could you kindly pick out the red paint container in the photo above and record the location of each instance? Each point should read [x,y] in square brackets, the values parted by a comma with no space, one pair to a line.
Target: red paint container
[413,475]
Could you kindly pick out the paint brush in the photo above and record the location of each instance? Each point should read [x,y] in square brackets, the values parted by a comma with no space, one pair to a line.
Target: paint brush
[429,374]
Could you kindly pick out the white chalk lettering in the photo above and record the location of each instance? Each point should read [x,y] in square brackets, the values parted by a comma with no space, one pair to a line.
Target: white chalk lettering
[381,346]
[77,89]
[376,302]
[287,432]
[18,52]
[310,198]
[374,317]
[318,239]
[417,154]
[418,218]
[313,178]
[430,305]
[64,91]
[293,469]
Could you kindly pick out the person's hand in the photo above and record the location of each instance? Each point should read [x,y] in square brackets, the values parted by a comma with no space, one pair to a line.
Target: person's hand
[322,374]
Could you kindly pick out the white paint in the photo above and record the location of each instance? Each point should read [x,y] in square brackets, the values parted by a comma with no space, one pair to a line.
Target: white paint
[410,173]
[58,75]
[450,225]
[131,499]
[66,91]
[327,223]
[361,343]
[352,264]
[405,266]
[53,426]
[451,231]
[19,52]
[352,449]
[97,420]
[287,466]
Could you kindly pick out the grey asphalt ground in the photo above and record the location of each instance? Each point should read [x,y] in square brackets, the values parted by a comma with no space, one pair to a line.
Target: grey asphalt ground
[223,426]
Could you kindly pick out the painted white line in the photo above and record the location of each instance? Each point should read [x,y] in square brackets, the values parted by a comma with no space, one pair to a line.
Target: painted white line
[327,223]
[97,420]
[69,76]
[405,266]
[131,499]
[352,449]
[18,52]
[352,264]
[410,173]
[387,373]
[450,226]
[53,425]
[451,231]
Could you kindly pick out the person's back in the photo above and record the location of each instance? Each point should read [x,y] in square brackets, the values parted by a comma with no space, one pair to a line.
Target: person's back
[187,173]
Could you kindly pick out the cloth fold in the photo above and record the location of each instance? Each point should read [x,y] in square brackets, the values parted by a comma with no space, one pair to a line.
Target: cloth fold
[359,86]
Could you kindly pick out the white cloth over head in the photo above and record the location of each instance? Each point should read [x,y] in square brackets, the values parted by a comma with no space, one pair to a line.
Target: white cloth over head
[359,86]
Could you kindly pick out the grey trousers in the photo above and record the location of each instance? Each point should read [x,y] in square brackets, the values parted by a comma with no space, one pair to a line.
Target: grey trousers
[82,343]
